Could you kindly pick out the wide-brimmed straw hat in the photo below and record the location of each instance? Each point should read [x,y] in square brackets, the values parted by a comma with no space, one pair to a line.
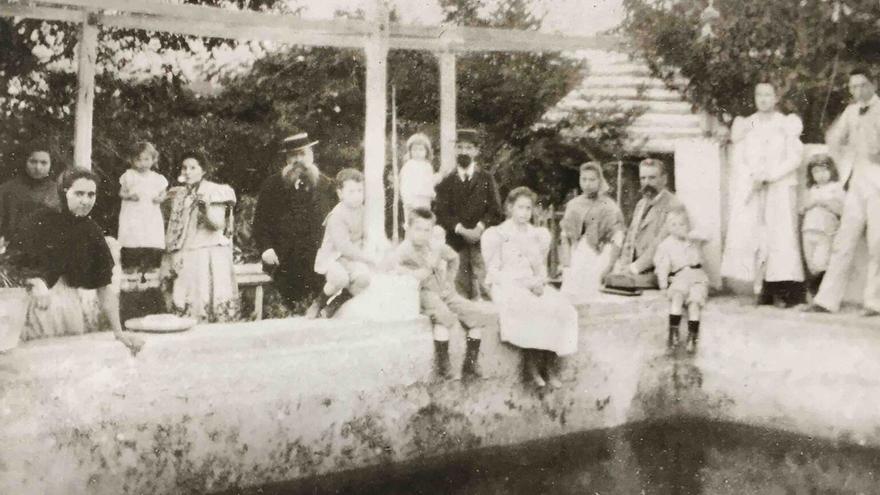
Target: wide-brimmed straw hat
[296,142]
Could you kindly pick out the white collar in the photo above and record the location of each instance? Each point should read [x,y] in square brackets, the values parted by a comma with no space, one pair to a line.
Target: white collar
[467,173]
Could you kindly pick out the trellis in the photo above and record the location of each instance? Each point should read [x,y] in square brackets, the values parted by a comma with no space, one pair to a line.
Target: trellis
[376,36]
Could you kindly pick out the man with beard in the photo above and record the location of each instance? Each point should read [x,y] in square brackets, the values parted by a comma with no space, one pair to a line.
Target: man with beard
[467,203]
[635,266]
[288,220]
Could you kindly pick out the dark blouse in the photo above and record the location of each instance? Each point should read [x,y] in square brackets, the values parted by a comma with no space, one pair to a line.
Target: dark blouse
[58,244]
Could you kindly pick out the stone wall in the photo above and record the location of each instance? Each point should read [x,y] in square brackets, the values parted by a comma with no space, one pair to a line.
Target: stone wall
[248,404]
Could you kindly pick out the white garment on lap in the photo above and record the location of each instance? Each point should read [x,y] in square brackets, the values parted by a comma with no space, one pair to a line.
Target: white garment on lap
[389,297]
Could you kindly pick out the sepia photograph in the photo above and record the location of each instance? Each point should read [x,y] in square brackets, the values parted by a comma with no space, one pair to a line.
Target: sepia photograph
[436,247]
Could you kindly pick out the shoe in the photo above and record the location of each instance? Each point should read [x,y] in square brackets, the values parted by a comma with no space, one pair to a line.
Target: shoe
[334,304]
[691,343]
[551,368]
[672,339]
[869,313]
[470,369]
[814,308]
[441,360]
[533,375]
[314,310]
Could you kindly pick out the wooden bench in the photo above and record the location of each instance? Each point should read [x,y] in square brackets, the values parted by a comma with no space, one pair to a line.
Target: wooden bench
[246,275]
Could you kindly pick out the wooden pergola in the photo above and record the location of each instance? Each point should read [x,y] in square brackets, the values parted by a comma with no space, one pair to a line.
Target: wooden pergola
[375,35]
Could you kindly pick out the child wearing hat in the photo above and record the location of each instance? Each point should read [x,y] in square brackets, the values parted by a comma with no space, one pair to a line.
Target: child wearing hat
[341,257]
[417,177]
[822,210]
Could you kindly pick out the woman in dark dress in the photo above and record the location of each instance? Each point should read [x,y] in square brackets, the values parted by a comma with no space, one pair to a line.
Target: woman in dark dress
[69,266]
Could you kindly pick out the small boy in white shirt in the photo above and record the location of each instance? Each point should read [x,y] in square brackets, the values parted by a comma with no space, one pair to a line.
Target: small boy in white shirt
[678,264]
[341,257]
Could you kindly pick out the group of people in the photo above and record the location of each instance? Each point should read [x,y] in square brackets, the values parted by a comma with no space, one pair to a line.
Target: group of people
[783,248]
[47,234]
[463,245]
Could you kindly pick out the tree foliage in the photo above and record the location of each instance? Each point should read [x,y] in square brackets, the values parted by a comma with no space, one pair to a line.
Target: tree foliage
[320,90]
[805,47]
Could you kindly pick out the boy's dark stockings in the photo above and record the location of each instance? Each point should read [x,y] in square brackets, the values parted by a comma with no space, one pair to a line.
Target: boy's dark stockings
[470,369]
[672,338]
[441,360]
[693,335]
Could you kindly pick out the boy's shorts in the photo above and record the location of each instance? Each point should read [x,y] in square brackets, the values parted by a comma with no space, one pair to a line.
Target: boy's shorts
[451,309]
[692,284]
[344,273]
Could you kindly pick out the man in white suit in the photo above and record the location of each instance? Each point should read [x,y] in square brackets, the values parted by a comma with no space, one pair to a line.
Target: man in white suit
[857,134]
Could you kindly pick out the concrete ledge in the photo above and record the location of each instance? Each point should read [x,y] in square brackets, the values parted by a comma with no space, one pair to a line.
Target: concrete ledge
[254,403]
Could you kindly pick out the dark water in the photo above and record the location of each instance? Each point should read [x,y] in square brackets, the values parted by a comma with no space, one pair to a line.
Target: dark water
[683,456]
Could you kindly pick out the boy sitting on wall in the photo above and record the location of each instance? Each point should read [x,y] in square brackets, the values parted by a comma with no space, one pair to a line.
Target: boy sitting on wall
[341,257]
[434,264]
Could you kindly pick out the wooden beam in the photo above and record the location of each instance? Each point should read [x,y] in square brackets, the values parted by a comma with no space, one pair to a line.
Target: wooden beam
[40,13]
[210,29]
[448,95]
[221,15]
[197,20]
[85,91]
[374,133]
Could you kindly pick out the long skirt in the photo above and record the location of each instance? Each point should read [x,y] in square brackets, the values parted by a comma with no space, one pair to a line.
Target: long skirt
[71,311]
[768,227]
[200,283]
[547,322]
[581,281]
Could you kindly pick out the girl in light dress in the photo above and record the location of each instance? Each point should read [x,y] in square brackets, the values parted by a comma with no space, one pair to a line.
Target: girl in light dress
[822,210]
[417,176]
[141,228]
[197,274]
[533,315]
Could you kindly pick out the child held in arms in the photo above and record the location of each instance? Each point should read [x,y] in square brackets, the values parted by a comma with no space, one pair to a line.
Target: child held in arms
[678,264]
[341,257]
[822,210]
[425,255]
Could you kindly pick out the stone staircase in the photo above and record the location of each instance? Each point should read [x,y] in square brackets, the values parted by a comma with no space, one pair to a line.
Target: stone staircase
[614,80]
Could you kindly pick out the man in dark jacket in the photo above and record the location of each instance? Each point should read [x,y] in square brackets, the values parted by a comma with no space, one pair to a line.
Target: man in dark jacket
[291,208]
[467,203]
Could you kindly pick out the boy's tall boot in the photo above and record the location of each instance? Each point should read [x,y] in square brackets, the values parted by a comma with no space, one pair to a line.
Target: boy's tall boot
[470,369]
[333,306]
[441,360]
[693,335]
[672,338]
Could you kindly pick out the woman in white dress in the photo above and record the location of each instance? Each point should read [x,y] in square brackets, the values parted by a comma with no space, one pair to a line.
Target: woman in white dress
[762,239]
[533,315]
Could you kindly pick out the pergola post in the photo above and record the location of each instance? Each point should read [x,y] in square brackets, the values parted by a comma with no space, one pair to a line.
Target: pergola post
[448,95]
[374,133]
[85,91]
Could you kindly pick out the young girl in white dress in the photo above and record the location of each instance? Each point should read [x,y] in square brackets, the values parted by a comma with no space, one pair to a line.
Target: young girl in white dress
[822,210]
[533,315]
[417,176]
[141,228]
